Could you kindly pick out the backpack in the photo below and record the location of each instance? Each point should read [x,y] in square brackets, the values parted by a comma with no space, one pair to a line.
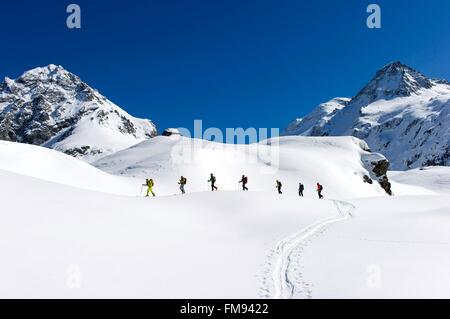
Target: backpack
[184,181]
[213,179]
[320,188]
[245,180]
[302,187]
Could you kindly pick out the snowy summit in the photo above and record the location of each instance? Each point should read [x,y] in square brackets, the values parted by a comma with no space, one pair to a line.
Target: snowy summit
[52,107]
[400,113]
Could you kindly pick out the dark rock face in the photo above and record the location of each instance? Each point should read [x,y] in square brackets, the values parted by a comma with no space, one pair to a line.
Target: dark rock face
[47,106]
[367,179]
[376,165]
[31,123]
[171,132]
[439,159]
[380,169]
[81,151]
[34,103]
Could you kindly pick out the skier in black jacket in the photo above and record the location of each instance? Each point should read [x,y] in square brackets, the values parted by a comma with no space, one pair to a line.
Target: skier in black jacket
[244,182]
[278,187]
[212,179]
[301,188]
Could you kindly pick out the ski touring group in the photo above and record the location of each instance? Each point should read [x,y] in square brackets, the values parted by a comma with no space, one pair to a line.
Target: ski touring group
[149,183]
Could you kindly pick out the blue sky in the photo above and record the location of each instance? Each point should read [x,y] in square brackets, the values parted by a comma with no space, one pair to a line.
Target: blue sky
[231,63]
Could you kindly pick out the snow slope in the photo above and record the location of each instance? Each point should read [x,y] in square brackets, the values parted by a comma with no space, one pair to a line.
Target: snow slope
[52,107]
[201,245]
[391,248]
[85,241]
[399,113]
[64,242]
[428,180]
[50,165]
[311,124]
[165,159]
[338,163]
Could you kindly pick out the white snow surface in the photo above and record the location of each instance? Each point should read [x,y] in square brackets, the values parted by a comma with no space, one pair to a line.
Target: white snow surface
[392,248]
[53,166]
[63,241]
[317,118]
[202,245]
[434,180]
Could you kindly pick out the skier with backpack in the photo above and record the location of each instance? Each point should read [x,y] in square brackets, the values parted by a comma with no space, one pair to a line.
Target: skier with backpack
[244,182]
[212,180]
[182,183]
[149,183]
[278,187]
[319,190]
[301,188]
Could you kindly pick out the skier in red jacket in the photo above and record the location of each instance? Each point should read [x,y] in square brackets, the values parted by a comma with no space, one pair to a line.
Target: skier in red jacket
[319,190]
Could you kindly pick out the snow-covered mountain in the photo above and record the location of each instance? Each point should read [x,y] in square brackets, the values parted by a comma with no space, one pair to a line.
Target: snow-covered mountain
[400,113]
[52,107]
[313,122]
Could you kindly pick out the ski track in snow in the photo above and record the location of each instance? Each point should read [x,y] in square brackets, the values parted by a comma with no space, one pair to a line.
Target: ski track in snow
[284,286]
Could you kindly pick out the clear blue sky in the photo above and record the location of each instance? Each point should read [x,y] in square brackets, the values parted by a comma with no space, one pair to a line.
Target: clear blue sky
[231,63]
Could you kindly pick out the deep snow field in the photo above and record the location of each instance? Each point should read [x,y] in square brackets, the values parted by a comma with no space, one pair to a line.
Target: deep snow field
[70,230]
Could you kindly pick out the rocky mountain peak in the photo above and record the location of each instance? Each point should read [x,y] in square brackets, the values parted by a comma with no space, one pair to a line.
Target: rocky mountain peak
[393,80]
[49,73]
[400,113]
[52,107]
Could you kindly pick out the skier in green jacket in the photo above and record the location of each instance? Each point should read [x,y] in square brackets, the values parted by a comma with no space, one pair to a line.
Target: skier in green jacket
[149,183]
